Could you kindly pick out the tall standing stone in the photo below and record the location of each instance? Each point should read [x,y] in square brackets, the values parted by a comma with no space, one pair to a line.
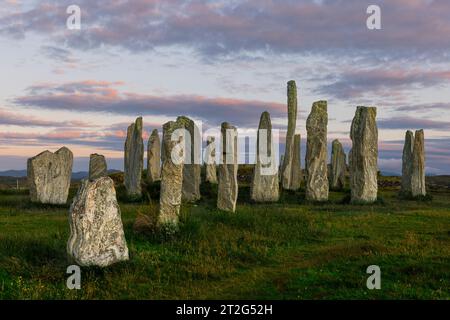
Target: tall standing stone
[338,166]
[171,174]
[316,153]
[228,184]
[296,169]
[264,187]
[154,157]
[364,155]
[407,164]
[96,230]
[210,160]
[97,166]
[134,159]
[289,148]
[49,176]
[192,165]
[418,187]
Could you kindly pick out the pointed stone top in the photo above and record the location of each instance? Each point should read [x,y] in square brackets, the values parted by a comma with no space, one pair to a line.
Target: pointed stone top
[292,84]
[154,132]
[336,142]
[210,139]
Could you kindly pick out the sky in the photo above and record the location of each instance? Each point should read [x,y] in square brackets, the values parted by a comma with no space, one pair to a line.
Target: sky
[218,61]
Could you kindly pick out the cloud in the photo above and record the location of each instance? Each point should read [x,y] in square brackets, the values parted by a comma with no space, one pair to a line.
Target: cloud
[13,118]
[212,28]
[100,96]
[410,122]
[358,83]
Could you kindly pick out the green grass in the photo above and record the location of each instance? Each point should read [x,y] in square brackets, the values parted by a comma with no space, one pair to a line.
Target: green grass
[285,250]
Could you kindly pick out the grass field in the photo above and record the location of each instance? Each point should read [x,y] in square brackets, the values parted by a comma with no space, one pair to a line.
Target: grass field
[286,250]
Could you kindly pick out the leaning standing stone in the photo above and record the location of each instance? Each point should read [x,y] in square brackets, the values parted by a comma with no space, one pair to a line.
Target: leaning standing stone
[210,160]
[418,187]
[407,164]
[134,159]
[97,166]
[264,187]
[171,174]
[364,155]
[316,153]
[49,176]
[289,149]
[338,166]
[228,184]
[154,157]
[192,165]
[96,230]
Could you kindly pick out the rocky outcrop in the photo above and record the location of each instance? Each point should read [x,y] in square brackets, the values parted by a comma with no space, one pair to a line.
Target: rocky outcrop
[264,187]
[210,160]
[316,153]
[418,187]
[228,183]
[96,230]
[338,166]
[134,159]
[49,176]
[364,155]
[97,166]
[154,157]
[171,174]
[192,165]
[287,165]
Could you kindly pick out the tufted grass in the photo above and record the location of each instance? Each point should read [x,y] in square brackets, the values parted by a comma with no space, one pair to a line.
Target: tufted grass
[286,250]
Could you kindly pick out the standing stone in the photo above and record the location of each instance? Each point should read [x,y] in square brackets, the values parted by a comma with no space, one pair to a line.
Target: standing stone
[364,155]
[407,164]
[296,169]
[228,184]
[154,157]
[316,153]
[210,160]
[418,187]
[134,159]
[96,230]
[192,161]
[97,167]
[289,148]
[264,187]
[280,168]
[338,166]
[171,174]
[49,176]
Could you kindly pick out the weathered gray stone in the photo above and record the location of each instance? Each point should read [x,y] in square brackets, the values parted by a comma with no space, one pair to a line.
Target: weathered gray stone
[418,187]
[296,169]
[192,164]
[228,183]
[364,155]
[96,230]
[134,159]
[97,166]
[264,187]
[49,176]
[316,153]
[407,164]
[289,148]
[154,157]
[210,160]
[171,174]
[338,166]
[280,168]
